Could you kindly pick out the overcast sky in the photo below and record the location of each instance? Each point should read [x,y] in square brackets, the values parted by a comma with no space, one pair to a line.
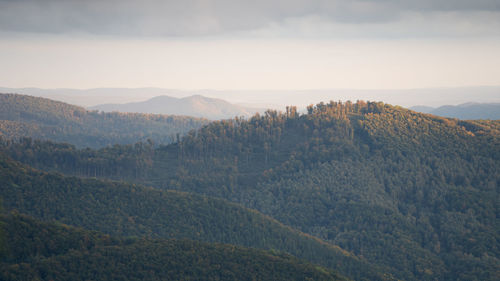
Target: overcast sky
[234,44]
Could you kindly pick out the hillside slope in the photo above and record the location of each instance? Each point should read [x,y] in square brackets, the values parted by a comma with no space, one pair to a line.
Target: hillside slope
[412,192]
[197,106]
[42,251]
[131,210]
[39,118]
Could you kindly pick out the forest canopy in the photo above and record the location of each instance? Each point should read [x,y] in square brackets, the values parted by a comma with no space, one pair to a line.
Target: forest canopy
[413,195]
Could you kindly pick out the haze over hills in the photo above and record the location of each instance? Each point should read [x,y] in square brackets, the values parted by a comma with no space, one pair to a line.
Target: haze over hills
[275,99]
[92,97]
[196,106]
[466,111]
[135,155]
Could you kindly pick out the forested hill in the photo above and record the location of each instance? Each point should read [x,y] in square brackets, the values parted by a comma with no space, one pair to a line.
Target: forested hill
[40,118]
[41,251]
[407,191]
[131,210]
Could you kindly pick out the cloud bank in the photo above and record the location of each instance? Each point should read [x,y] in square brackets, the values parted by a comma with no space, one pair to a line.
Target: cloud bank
[257,18]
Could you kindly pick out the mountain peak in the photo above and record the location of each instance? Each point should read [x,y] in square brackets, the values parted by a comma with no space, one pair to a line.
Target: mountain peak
[195,105]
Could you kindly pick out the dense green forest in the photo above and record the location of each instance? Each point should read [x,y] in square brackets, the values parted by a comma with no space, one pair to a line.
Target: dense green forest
[27,116]
[131,210]
[42,251]
[411,192]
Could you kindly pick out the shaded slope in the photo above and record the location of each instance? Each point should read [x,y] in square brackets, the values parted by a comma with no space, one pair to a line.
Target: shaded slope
[26,116]
[42,251]
[124,209]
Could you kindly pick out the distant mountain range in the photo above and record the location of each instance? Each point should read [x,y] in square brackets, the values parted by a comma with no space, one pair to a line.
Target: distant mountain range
[196,106]
[275,99]
[466,111]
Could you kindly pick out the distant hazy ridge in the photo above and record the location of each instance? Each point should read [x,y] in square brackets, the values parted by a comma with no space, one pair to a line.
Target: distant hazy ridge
[466,111]
[196,106]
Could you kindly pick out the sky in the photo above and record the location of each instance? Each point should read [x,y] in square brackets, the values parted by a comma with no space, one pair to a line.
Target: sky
[249,45]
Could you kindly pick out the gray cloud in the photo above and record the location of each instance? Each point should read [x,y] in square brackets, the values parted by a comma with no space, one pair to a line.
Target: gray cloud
[222,17]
